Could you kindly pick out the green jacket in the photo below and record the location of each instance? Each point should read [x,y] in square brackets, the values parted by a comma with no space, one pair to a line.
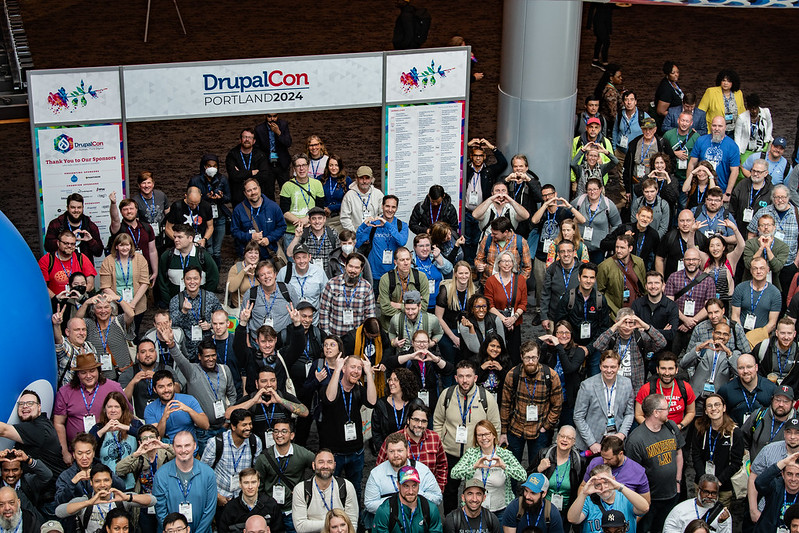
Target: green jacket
[301,459]
[384,299]
[610,281]
[417,523]
[781,252]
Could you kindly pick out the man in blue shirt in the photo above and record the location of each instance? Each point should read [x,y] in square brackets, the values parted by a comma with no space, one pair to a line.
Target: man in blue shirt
[172,412]
[748,392]
[778,166]
[722,152]
[384,235]
[534,510]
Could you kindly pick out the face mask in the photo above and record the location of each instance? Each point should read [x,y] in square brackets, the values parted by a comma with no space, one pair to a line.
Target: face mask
[80,289]
[211,171]
[347,248]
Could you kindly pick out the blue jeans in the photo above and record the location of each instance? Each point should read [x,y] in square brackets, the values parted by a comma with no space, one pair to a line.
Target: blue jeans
[450,354]
[214,244]
[351,464]
[592,365]
[204,435]
[516,445]
[471,232]
[288,523]
[287,238]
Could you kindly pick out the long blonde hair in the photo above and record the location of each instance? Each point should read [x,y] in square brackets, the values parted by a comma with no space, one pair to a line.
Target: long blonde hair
[452,288]
[338,513]
[576,239]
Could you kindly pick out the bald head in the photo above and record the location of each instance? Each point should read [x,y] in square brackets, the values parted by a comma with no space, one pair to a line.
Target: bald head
[194,194]
[255,524]
[8,493]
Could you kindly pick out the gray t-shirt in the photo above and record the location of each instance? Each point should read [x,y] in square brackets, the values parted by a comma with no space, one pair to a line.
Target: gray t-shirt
[759,304]
[657,453]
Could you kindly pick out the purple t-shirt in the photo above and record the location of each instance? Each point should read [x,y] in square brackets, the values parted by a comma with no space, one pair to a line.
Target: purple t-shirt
[69,402]
[629,473]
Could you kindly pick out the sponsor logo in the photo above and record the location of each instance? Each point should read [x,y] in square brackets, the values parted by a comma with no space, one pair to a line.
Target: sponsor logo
[63,143]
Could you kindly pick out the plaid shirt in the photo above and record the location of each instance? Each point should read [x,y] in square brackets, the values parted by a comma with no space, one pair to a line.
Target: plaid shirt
[320,248]
[642,342]
[66,353]
[699,293]
[524,265]
[787,224]
[530,391]
[336,297]
[429,451]
[233,461]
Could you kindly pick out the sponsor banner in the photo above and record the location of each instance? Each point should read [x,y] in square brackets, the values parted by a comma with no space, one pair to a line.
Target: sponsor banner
[88,160]
[424,147]
[428,75]
[199,89]
[60,96]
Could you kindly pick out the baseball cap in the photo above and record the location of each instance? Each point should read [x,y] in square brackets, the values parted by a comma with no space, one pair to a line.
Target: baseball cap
[536,483]
[780,141]
[648,123]
[593,120]
[412,297]
[304,304]
[474,482]
[52,525]
[364,171]
[792,423]
[612,518]
[784,390]
[407,473]
[301,249]
[316,211]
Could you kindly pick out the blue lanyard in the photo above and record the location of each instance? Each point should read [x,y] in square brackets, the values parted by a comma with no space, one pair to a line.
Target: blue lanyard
[623,273]
[609,392]
[269,417]
[537,519]
[438,213]
[713,370]
[752,296]
[711,442]
[785,503]
[366,203]
[463,301]
[270,303]
[103,338]
[746,400]
[306,195]
[480,528]
[485,472]
[247,164]
[593,215]
[302,281]
[150,210]
[348,299]
[509,296]
[332,185]
[68,273]
[400,421]
[315,169]
[421,446]
[752,195]
[115,435]
[284,466]
[184,264]
[94,397]
[185,492]
[701,197]
[319,243]
[416,326]
[322,495]
[644,154]
[687,282]
[224,342]
[715,276]
[566,280]
[407,523]
[532,394]
[624,353]
[212,385]
[193,218]
[255,212]
[347,404]
[233,453]
[640,245]
[468,409]
[80,226]
[773,433]
[196,314]
[787,358]
[559,481]
[137,236]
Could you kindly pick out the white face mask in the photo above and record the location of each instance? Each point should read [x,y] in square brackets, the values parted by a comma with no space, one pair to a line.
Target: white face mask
[211,171]
[347,248]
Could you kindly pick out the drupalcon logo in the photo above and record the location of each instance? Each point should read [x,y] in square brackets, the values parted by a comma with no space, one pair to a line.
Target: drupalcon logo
[63,143]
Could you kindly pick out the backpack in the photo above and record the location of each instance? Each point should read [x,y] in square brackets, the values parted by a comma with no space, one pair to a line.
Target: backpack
[517,375]
[392,280]
[761,413]
[573,296]
[51,261]
[680,385]
[282,287]
[483,399]
[582,198]
[366,247]
[342,490]
[519,246]
[203,301]
[83,518]
[547,511]
[220,448]
[393,513]
[421,27]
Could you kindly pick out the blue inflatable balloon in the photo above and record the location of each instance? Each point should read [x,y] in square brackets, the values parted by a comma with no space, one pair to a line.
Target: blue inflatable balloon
[29,353]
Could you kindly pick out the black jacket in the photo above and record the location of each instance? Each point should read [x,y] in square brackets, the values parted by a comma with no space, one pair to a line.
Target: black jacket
[255,361]
[574,469]
[237,170]
[529,195]
[770,486]
[629,160]
[741,196]
[236,513]
[664,313]
[420,220]
[489,173]
[572,362]
[728,452]
[765,362]
[282,142]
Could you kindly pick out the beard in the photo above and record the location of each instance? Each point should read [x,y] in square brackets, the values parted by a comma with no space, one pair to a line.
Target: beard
[324,474]
[13,522]
[352,280]
[718,137]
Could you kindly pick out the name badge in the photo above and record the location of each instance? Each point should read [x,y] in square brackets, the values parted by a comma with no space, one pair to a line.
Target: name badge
[748,214]
[749,321]
[432,286]
[532,413]
[388,257]
[626,295]
[710,468]
[196,333]
[640,171]
[709,233]
[308,368]
[234,483]
[349,432]
[197,238]
[585,330]
[623,142]
[219,409]
[215,213]
[317,261]
[709,387]
[269,438]
[547,244]
[156,232]
[185,510]
[279,494]
[473,198]
[460,435]
[557,501]
[151,509]
[106,365]
[612,422]
[779,235]
[268,321]
[88,422]
[680,265]
[127,292]
[682,164]
[729,117]
[689,309]
[424,396]
[588,233]
[746,417]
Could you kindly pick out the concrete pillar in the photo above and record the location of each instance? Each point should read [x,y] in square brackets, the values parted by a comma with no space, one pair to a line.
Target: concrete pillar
[538,85]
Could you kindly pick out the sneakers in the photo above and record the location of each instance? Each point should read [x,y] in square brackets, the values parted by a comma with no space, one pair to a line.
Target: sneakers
[597,64]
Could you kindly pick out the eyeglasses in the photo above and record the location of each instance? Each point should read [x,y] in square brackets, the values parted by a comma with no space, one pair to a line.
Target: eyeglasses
[300,165]
[67,243]
[779,197]
[485,436]
[419,420]
[28,404]
[176,530]
[281,431]
[530,359]
[481,307]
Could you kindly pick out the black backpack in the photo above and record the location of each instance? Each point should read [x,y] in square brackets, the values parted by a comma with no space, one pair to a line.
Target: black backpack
[282,287]
[366,247]
[392,280]
[517,375]
[421,28]
[573,296]
[393,513]
[342,490]
[51,261]
[220,445]
[83,518]
[547,511]
[483,399]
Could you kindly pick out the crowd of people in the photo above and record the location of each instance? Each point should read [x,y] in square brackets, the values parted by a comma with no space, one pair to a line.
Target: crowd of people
[340,321]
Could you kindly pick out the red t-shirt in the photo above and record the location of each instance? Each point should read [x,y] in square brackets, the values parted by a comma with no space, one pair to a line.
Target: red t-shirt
[676,402]
[58,276]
